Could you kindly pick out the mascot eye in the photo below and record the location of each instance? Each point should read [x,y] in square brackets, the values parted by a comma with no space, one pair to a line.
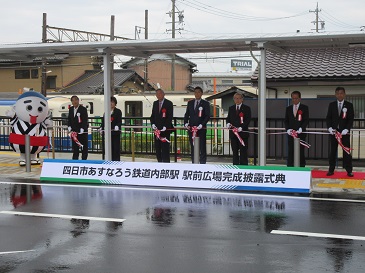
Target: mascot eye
[29,107]
[40,109]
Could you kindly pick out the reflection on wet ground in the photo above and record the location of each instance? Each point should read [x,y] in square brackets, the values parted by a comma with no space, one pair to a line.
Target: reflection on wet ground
[176,231]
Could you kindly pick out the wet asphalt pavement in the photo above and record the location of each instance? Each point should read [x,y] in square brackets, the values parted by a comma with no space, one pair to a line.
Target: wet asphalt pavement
[176,231]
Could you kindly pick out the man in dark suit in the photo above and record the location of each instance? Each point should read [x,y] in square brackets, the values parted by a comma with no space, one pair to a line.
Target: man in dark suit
[239,116]
[296,118]
[340,117]
[116,123]
[78,123]
[161,119]
[198,114]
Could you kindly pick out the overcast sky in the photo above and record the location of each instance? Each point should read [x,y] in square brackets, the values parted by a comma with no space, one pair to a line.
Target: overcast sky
[21,20]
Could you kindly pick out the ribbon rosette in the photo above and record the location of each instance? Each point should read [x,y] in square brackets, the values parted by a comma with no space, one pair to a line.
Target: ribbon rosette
[78,117]
[241,117]
[200,111]
[300,112]
[163,111]
[111,119]
[344,110]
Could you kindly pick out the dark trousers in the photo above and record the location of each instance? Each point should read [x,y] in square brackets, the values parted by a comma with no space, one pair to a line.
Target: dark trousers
[202,134]
[162,150]
[290,162]
[347,158]
[239,151]
[115,146]
[76,149]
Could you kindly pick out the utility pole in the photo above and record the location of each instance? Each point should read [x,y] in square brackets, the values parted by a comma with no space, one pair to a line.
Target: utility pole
[112,26]
[44,60]
[173,55]
[145,84]
[137,31]
[316,22]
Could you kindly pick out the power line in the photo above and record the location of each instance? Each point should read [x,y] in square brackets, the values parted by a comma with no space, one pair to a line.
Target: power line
[232,15]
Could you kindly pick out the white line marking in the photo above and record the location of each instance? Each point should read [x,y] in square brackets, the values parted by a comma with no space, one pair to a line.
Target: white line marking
[15,252]
[62,216]
[203,191]
[319,235]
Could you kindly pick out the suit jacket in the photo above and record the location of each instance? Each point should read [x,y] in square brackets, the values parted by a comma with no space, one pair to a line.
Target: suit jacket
[74,122]
[192,116]
[293,122]
[235,119]
[338,121]
[164,117]
[116,120]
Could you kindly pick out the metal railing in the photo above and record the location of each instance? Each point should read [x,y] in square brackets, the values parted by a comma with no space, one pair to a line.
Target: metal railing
[139,132]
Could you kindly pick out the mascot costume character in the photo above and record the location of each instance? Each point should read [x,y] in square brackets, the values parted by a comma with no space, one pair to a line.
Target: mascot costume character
[29,116]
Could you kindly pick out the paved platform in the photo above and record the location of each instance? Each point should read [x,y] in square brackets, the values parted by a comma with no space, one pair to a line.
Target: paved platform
[10,170]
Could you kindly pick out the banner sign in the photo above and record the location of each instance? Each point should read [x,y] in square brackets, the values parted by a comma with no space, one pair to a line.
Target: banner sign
[203,176]
[241,64]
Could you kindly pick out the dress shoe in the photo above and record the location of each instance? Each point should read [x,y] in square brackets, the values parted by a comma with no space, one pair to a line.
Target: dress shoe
[350,174]
[330,173]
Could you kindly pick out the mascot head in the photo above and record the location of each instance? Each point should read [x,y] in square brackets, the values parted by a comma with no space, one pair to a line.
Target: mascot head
[31,107]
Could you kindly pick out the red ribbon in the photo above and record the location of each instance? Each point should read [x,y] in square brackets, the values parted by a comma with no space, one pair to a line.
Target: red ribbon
[163,110]
[235,131]
[158,133]
[338,137]
[73,136]
[34,140]
[194,130]
[294,134]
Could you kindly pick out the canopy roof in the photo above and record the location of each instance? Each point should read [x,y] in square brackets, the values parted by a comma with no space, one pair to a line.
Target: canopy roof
[144,48]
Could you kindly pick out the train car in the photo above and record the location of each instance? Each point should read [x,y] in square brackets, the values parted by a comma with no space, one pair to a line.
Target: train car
[132,105]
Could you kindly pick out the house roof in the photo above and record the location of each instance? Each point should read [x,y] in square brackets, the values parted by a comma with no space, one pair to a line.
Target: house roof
[247,91]
[156,57]
[315,63]
[93,80]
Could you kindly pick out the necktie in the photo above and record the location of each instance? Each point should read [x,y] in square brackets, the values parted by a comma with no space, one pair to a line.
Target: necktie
[237,109]
[159,106]
[339,108]
[196,104]
[295,110]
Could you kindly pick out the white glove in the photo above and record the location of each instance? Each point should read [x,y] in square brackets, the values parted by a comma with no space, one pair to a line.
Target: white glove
[300,130]
[116,128]
[289,131]
[100,130]
[199,127]
[186,125]
[239,129]
[81,130]
[228,125]
[163,129]
[344,132]
[331,131]
[154,127]
[69,128]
